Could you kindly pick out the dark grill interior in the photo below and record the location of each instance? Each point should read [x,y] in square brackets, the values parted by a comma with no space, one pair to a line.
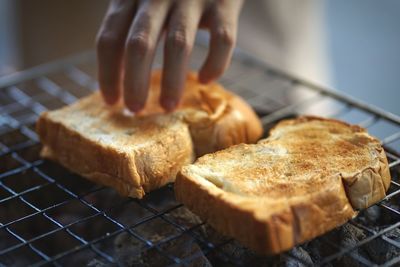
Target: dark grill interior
[51,216]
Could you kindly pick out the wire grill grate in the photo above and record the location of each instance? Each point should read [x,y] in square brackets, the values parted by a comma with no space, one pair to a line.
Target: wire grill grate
[49,215]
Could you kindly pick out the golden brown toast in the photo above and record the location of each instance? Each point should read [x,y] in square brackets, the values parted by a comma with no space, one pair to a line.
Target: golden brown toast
[308,177]
[138,153]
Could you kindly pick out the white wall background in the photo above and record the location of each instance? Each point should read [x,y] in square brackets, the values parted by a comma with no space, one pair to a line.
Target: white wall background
[364,49]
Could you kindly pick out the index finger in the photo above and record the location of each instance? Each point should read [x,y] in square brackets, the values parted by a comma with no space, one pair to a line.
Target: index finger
[178,45]
[110,47]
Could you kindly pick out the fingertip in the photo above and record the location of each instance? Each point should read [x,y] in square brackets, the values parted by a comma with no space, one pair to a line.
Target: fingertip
[169,104]
[110,98]
[204,78]
[172,86]
[134,106]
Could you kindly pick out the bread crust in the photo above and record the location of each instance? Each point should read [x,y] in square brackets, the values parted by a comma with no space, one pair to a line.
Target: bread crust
[272,224]
[137,154]
[132,172]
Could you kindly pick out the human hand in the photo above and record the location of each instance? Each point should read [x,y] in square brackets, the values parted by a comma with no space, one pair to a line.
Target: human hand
[129,34]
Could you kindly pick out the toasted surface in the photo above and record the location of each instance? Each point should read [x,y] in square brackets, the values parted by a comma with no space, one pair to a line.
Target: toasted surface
[309,176]
[138,153]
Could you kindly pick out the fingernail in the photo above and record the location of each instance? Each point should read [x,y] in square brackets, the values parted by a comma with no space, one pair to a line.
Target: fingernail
[169,104]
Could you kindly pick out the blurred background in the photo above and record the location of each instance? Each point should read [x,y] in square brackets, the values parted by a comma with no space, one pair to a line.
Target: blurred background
[349,45]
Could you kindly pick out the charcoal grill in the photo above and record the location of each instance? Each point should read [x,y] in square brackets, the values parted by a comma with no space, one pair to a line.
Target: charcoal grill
[49,216]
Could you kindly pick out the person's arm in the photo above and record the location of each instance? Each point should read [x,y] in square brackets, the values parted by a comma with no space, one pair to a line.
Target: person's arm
[129,34]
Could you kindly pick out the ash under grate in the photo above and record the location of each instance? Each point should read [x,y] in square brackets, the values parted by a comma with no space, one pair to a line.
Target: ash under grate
[49,215]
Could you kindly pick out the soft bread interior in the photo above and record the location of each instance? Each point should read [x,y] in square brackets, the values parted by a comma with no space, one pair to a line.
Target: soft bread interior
[218,180]
[299,158]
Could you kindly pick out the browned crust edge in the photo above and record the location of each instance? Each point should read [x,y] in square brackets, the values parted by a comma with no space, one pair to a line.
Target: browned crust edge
[122,187]
[104,165]
[57,137]
[287,225]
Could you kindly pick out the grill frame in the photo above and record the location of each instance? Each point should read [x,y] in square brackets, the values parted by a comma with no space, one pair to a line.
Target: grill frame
[21,126]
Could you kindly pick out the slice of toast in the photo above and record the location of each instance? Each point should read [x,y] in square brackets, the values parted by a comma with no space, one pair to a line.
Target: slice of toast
[138,153]
[308,177]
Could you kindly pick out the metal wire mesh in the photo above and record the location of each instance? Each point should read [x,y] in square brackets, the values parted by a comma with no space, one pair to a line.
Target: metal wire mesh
[51,216]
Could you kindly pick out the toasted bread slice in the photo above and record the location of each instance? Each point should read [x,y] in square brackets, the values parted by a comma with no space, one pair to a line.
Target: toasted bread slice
[136,154]
[309,176]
